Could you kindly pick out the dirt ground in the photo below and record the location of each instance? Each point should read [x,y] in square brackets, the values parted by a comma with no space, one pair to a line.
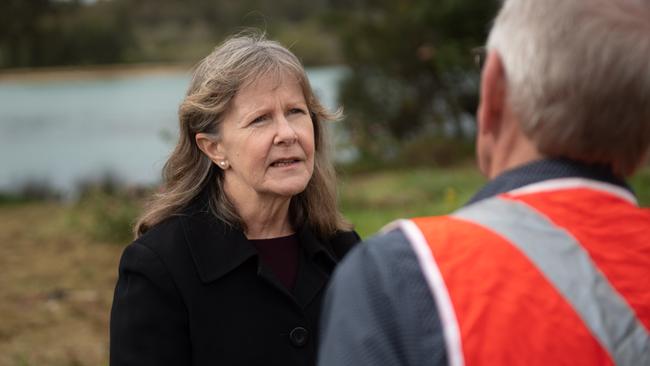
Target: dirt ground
[56,288]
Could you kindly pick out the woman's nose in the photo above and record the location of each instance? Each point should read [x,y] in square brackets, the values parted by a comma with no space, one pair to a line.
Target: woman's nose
[285,134]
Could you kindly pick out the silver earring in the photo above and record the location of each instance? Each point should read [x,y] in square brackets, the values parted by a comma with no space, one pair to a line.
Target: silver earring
[223,164]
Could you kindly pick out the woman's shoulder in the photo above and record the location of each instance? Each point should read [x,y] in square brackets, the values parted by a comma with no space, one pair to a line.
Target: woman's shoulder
[342,241]
[167,240]
[164,233]
[170,230]
[200,243]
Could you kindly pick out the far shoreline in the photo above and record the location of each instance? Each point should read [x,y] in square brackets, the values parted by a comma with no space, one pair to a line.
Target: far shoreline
[108,71]
[91,71]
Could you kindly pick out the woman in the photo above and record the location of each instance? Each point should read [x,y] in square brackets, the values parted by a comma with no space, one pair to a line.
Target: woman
[231,258]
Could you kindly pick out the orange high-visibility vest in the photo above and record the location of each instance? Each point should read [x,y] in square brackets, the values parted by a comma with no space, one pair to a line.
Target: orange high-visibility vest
[555,273]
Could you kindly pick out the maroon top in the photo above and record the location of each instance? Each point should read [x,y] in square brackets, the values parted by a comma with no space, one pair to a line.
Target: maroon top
[280,255]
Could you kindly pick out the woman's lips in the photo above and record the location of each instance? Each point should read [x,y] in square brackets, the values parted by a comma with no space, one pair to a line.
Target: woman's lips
[280,163]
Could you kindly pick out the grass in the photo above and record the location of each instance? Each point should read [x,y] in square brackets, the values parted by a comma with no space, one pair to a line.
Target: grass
[59,261]
[370,201]
[641,185]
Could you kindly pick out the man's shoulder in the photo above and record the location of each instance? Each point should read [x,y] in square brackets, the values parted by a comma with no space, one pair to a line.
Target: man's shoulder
[385,260]
[377,304]
[380,249]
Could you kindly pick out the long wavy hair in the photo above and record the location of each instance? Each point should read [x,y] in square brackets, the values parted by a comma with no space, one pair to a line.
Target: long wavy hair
[188,173]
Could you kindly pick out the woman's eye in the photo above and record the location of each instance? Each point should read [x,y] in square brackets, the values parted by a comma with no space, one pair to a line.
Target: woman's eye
[259,119]
[296,111]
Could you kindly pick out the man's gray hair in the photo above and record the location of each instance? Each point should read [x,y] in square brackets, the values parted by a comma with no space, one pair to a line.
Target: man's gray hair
[578,74]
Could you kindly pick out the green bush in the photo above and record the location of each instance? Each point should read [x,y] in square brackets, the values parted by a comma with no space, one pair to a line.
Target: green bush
[107,211]
[641,185]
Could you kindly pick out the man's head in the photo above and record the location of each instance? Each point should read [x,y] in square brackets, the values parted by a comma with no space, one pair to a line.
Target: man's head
[574,78]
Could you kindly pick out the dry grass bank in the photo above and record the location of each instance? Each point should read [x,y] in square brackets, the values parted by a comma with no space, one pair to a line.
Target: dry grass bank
[55,289]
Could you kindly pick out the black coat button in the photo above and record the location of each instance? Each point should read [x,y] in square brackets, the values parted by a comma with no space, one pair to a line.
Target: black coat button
[299,336]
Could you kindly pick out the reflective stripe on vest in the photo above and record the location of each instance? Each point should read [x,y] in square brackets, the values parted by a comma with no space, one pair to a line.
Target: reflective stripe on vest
[478,246]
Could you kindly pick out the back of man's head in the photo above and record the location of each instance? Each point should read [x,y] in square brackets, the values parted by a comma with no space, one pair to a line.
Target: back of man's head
[578,76]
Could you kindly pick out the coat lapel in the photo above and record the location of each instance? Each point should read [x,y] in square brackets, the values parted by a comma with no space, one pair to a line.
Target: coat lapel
[316,263]
[216,248]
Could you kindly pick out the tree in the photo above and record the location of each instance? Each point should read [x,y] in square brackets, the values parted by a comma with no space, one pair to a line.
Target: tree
[411,69]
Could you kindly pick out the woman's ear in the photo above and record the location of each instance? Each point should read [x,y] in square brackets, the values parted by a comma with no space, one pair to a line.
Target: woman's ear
[212,148]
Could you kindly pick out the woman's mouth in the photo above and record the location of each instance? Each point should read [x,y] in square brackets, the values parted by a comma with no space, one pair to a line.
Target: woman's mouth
[284,162]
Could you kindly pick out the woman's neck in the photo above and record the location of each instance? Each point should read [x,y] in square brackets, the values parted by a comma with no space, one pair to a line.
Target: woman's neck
[265,216]
[267,222]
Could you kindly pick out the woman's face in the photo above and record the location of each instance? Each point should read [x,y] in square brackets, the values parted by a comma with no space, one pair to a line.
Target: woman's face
[267,140]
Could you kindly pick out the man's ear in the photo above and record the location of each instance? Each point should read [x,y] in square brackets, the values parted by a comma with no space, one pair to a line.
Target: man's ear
[493,94]
[211,147]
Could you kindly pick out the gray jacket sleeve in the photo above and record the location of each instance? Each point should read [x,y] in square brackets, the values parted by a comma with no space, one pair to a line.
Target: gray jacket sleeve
[379,309]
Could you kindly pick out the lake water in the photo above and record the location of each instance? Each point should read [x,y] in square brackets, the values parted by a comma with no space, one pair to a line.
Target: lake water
[64,131]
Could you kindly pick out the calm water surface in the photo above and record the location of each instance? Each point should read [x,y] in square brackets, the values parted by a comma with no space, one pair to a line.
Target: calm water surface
[62,132]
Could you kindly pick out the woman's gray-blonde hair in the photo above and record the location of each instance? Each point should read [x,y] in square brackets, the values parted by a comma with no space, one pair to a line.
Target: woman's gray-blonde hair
[237,62]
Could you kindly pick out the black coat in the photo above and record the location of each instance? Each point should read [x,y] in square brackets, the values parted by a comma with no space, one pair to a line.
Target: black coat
[193,292]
